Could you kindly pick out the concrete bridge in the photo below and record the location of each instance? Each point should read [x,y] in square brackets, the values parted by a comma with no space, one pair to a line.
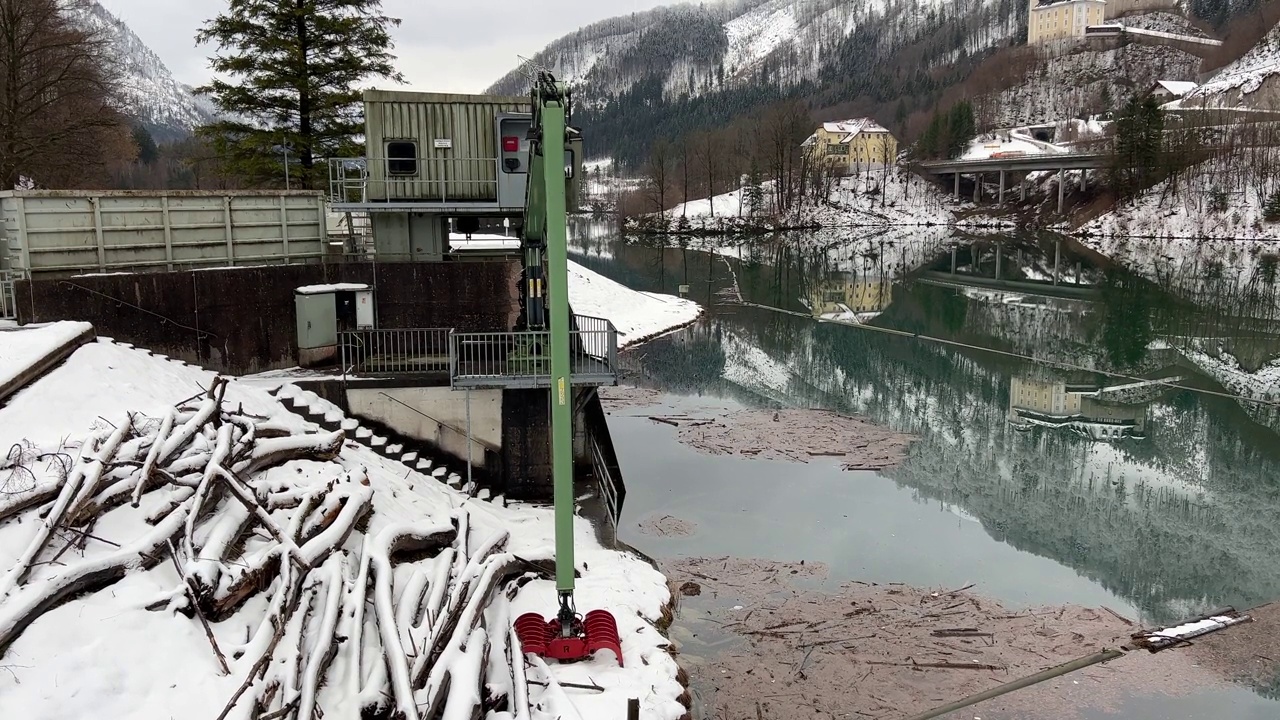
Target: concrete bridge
[1039,162]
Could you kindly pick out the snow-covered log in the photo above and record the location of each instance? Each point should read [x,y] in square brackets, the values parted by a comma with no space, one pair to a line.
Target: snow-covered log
[34,599]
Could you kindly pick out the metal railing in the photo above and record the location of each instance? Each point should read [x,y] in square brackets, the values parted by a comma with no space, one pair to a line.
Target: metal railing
[365,180]
[523,359]
[412,350]
[606,481]
[8,301]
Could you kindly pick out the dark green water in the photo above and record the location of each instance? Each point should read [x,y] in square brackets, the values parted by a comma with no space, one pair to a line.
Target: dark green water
[1046,471]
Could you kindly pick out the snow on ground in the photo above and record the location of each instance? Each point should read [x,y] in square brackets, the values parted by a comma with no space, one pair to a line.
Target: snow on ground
[1060,86]
[754,35]
[1006,143]
[102,654]
[22,349]
[102,380]
[877,198]
[1242,77]
[1190,212]
[637,315]
[1226,369]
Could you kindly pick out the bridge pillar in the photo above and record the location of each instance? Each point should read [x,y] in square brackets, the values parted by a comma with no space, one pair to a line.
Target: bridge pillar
[953,259]
[1057,262]
[1002,187]
[1062,189]
[957,185]
[977,188]
[999,247]
[1022,187]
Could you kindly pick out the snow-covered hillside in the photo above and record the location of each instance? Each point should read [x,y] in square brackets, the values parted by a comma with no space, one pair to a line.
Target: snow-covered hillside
[168,108]
[1239,83]
[903,199]
[710,47]
[1085,81]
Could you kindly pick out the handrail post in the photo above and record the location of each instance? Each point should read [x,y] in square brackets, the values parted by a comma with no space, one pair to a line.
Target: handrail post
[613,348]
[453,358]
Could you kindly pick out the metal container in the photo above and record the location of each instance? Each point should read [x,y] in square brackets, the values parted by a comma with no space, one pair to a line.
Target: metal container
[435,147]
[78,231]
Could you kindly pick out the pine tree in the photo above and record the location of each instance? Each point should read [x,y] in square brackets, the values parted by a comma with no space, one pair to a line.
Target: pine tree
[1271,211]
[293,70]
[754,192]
[147,150]
[961,127]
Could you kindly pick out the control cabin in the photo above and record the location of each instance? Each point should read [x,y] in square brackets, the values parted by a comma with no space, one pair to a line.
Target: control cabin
[439,161]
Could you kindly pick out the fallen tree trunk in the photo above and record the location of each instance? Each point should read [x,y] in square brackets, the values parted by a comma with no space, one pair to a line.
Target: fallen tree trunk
[19,611]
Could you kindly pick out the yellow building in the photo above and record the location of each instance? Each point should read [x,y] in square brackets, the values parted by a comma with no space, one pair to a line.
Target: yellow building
[848,297]
[854,145]
[1058,19]
[1045,398]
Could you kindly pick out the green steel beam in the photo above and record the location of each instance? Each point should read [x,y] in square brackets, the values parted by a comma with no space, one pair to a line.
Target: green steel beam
[557,241]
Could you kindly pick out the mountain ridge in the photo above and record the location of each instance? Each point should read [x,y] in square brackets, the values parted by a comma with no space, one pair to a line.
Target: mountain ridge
[677,69]
[168,109]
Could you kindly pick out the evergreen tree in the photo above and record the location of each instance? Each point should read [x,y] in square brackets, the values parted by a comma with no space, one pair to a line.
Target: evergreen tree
[1271,211]
[147,150]
[961,127]
[754,191]
[292,72]
[1139,145]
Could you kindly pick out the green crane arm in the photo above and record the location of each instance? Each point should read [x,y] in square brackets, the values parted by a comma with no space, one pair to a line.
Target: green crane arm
[546,227]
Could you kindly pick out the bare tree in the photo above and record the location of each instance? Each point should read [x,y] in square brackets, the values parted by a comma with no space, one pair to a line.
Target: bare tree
[708,147]
[58,119]
[657,175]
[685,157]
[782,129]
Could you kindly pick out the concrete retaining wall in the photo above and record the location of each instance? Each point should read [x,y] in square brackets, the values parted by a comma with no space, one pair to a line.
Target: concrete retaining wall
[436,415]
[241,320]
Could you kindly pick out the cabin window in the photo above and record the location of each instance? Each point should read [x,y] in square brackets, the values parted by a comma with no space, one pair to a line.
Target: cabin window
[402,157]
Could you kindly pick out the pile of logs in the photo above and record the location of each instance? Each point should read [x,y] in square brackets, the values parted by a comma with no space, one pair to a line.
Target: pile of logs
[338,633]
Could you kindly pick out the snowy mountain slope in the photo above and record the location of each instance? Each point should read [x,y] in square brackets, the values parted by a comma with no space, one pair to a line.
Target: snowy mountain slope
[1240,81]
[696,50]
[1071,85]
[151,95]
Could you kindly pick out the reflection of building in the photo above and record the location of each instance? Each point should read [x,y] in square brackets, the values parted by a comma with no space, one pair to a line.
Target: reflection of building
[850,298]
[1077,408]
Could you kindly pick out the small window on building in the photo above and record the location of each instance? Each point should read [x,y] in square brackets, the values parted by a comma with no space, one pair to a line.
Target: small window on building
[402,157]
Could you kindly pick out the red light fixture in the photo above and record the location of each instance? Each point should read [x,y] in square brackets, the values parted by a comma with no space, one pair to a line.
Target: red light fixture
[511,144]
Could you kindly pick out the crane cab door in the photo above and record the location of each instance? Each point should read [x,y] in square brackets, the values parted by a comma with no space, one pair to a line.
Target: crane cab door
[513,159]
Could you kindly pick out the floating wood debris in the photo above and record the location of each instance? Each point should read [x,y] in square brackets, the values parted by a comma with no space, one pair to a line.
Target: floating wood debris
[1157,640]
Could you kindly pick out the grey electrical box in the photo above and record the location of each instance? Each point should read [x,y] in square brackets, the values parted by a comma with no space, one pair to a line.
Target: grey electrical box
[364,310]
[317,326]
[324,309]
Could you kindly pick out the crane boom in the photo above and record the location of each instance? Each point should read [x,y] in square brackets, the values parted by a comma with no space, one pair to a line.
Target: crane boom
[546,237]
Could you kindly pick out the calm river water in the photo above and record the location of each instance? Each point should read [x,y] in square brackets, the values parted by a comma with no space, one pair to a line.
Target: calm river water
[1049,467]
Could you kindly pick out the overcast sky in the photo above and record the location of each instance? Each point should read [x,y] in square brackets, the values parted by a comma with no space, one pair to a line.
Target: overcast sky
[442,45]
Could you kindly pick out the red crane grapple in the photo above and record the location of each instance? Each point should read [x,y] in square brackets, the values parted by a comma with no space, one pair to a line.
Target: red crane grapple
[598,630]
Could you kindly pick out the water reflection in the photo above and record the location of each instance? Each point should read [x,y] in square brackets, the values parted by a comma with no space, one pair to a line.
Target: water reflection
[1035,402]
[1056,405]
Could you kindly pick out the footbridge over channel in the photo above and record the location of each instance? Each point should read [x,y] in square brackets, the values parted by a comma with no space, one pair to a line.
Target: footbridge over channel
[1020,164]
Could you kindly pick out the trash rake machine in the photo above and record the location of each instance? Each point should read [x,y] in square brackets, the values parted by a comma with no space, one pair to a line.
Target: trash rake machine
[568,637]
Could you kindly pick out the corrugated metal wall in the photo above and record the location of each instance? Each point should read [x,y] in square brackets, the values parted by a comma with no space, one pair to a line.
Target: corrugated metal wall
[78,231]
[467,171]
